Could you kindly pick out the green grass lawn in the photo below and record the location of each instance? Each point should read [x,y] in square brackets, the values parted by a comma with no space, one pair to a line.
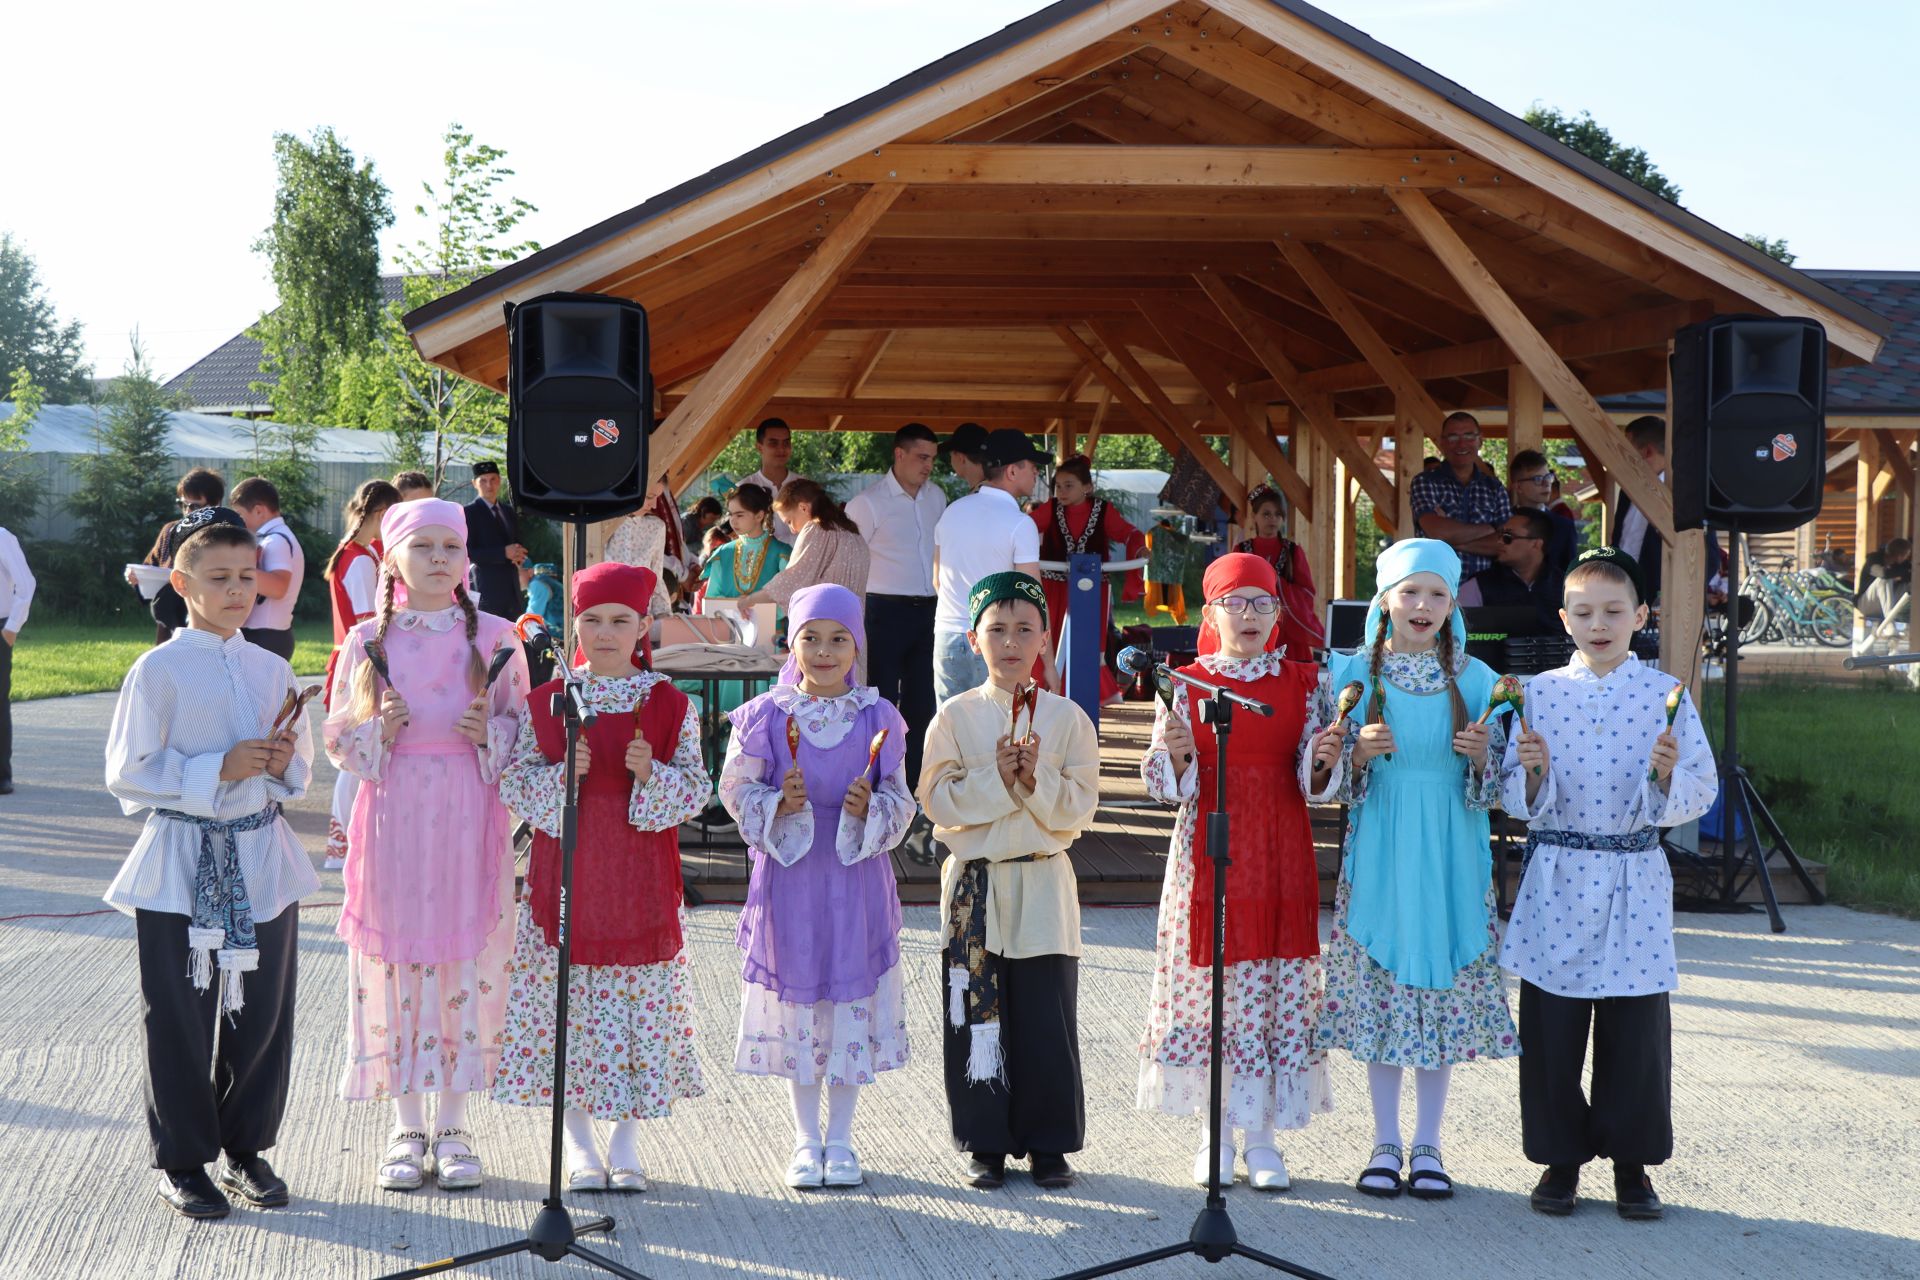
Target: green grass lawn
[1837,766]
[55,658]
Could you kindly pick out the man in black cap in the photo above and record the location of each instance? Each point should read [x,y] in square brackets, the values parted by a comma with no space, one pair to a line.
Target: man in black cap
[963,449]
[493,544]
[982,533]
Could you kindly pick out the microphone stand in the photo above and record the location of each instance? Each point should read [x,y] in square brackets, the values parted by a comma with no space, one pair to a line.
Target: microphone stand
[554,1234]
[1213,1237]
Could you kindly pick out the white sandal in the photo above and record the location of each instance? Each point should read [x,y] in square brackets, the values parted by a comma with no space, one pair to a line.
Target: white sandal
[585,1177]
[409,1163]
[461,1170]
[619,1179]
[805,1171]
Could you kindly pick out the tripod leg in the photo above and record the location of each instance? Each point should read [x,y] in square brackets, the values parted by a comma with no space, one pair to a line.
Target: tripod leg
[1278,1264]
[1129,1264]
[1799,868]
[607,1265]
[1743,800]
[462,1260]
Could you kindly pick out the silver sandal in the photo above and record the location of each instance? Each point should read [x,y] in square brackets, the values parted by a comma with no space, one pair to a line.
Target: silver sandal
[415,1177]
[461,1170]
[635,1180]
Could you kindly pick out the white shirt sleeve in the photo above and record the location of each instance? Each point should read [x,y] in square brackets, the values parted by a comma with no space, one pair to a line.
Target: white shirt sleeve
[14,563]
[276,556]
[1026,542]
[361,582]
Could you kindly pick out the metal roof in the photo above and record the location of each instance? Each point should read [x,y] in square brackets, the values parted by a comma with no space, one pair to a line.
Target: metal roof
[69,428]
[1026,28]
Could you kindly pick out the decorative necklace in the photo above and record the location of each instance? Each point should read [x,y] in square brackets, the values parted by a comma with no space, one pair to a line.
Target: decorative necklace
[746,575]
[1096,514]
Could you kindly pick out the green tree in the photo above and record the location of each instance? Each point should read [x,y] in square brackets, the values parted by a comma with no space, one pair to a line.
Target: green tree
[125,486]
[32,336]
[1596,142]
[435,415]
[19,484]
[323,248]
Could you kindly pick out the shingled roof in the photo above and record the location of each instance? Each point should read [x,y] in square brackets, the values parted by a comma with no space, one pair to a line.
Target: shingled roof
[221,382]
[1891,384]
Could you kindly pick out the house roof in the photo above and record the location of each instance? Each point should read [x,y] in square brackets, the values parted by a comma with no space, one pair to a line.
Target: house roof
[221,382]
[1013,34]
[1891,384]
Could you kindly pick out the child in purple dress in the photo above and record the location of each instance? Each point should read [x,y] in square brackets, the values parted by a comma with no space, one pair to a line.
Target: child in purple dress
[820,797]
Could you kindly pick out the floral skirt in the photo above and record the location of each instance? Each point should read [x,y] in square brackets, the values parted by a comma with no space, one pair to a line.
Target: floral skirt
[422,1028]
[1274,1076]
[630,1040]
[1376,1019]
[850,1042]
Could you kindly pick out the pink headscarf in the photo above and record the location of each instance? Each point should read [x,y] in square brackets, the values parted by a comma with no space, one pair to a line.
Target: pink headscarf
[404,519]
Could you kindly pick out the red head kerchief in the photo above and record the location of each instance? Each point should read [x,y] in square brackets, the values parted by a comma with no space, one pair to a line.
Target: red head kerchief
[1228,573]
[613,583]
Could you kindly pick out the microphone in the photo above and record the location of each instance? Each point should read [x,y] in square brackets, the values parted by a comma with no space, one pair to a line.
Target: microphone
[1136,660]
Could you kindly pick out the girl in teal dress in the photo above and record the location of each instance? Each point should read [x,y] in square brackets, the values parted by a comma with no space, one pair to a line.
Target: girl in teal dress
[1411,975]
[746,563]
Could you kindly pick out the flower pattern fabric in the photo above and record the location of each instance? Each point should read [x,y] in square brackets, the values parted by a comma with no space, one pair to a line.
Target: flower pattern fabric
[851,1042]
[1273,1070]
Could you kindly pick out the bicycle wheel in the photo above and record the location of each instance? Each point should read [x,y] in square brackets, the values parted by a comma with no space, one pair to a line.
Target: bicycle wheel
[1759,628]
[1832,624]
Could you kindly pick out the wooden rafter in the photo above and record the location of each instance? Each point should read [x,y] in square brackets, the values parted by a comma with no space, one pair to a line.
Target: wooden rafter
[726,387]
[1590,422]
[863,367]
[1167,166]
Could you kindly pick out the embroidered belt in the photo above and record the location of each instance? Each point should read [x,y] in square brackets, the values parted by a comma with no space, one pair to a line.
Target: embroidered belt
[1632,842]
[222,918]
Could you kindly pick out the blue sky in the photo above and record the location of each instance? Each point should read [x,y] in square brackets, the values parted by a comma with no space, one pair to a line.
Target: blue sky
[137,140]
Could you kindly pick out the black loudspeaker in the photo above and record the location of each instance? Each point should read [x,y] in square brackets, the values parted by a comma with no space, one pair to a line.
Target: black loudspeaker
[1749,423]
[580,405]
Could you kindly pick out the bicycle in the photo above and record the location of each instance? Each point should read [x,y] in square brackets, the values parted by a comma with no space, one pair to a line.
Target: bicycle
[1786,607]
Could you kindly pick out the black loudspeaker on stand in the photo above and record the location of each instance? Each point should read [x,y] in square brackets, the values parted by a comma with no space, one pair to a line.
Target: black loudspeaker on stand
[596,348]
[1213,1237]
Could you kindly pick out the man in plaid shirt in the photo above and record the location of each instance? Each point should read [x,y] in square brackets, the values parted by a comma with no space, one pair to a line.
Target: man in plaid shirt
[1459,503]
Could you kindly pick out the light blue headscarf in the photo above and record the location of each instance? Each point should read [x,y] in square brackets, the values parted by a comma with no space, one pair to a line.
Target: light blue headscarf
[1401,561]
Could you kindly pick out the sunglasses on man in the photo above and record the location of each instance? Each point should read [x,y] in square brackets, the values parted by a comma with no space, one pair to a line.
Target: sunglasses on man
[1509,537]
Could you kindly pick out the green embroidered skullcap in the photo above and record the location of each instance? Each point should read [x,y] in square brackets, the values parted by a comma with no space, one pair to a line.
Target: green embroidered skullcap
[1620,560]
[1007,585]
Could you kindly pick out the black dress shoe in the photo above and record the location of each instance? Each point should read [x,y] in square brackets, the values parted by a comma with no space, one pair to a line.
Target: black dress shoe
[6,787]
[1554,1193]
[1634,1196]
[1051,1170]
[986,1170]
[253,1180]
[191,1194]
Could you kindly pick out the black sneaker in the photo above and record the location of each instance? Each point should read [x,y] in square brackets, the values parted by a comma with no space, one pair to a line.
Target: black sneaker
[253,1180]
[986,1170]
[1554,1193]
[1634,1196]
[1051,1170]
[715,819]
[191,1194]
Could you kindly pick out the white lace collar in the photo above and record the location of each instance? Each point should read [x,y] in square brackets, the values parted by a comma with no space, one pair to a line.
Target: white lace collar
[824,722]
[1260,664]
[438,620]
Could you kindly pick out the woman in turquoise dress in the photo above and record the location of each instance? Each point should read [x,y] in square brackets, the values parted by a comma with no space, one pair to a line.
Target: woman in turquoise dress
[1411,974]
[746,563]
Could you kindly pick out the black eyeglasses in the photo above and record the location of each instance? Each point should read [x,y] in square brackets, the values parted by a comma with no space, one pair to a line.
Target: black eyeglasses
[1238,605]
[1509,537]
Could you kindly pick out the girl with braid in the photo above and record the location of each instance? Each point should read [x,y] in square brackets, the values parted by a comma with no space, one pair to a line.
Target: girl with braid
[1411,975]
[429,877]
[353,583]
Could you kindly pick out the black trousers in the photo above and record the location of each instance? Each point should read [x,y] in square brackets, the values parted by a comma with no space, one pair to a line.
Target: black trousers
[6,711]
[1629,1118]
[900,664]
[197,1107]
[273,641]
[1043,1106]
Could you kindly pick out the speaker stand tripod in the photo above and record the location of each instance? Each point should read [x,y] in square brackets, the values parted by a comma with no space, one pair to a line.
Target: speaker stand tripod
[1743,858]
[1213,1237]
[555,1234]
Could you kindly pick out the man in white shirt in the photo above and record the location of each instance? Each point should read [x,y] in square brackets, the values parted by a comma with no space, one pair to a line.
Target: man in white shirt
[774,439]
[898,516]
[282,566]
[16,596]
[982,533]
[963,450]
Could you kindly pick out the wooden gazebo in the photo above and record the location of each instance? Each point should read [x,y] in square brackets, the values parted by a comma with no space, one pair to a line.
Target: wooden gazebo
[1242,219]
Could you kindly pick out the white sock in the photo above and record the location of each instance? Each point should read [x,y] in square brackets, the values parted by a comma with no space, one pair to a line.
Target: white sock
[1383,1083]
[580,1142]
[623,1149]
[841,1100]
[1261,1132]
[410,1112]
[453,1110]
[1430,1108]
[806,1113]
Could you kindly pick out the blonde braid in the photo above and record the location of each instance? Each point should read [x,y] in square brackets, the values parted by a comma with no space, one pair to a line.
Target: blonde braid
[1446,670]
[366,697]
[1377,695]
[476,664]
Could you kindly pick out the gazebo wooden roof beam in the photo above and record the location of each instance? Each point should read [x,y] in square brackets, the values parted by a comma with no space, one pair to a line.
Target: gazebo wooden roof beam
[1186,166]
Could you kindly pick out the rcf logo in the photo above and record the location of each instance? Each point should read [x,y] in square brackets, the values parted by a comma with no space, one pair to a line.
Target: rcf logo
[1784,446]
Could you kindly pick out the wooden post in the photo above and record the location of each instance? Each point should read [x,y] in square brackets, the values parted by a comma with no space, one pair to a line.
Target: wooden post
[1866,531]
[1683,602]
[1322,538]
[1526,411]
[1349,566]
[1408,455]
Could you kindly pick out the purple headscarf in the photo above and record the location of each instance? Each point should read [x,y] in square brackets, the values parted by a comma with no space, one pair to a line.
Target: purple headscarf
[825,602]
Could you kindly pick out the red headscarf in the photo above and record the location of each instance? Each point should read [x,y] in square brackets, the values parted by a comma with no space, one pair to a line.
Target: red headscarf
[1229,573]
[612,583]
[667,513]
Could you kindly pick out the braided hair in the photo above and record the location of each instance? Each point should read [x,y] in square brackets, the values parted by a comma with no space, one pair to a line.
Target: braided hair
[369,502]
[366,697]
[1443,644]
[476,664]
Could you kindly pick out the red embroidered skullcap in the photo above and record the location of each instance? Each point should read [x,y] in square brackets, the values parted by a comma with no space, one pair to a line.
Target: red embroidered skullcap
[1229,573]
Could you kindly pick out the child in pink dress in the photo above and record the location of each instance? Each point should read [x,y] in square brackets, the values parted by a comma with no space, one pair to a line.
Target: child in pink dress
[429,875]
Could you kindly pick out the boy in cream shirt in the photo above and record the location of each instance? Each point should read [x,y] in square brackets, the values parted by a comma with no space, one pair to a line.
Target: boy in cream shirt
[1009,784]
